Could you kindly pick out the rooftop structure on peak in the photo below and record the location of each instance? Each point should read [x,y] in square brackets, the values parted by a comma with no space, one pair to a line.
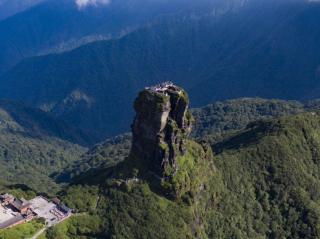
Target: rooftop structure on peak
[164,87]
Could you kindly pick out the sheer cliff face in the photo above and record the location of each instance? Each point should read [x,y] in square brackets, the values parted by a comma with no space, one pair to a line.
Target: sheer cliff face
[160,128]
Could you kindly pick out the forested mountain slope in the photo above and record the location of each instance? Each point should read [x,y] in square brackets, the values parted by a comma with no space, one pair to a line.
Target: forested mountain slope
[252,52]
[270,173]
[212,123]
[261,182]
[61,25]
[31,139]
[225,117]
[33,145]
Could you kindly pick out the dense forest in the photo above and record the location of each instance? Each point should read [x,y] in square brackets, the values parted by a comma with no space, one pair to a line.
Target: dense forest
[263,184]
[249,180]
[34,145]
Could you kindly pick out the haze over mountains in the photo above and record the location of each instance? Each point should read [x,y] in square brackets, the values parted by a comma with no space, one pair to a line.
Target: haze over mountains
[267,49]
[12,7]
[59,25]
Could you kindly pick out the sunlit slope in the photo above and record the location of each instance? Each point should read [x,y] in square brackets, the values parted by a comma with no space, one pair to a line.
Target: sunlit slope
[264,184]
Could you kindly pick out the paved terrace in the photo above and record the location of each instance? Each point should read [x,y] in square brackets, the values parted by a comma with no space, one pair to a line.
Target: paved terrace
[47,210]
[9,217]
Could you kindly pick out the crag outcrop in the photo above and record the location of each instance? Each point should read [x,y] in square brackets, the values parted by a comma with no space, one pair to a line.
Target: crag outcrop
[161,127]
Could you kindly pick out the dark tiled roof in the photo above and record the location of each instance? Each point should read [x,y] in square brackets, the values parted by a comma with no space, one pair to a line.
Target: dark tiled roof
[19,204]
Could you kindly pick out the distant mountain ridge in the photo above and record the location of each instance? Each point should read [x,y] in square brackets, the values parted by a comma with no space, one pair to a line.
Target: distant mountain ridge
[247,53]
[61,25]
[9,8]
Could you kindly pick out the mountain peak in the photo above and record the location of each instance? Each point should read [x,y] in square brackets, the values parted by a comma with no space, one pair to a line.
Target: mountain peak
[161,126]
[161,150]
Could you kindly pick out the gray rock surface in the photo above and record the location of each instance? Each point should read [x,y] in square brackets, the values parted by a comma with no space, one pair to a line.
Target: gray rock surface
[160,128]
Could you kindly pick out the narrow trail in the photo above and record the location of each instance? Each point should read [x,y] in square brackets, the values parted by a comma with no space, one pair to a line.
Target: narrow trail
[97,203]
[39,233]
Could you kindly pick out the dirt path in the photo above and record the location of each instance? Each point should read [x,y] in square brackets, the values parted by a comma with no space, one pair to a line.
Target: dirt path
[39,233]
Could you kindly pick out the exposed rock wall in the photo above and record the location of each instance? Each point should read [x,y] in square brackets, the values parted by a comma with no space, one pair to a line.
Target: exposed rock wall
[160,128]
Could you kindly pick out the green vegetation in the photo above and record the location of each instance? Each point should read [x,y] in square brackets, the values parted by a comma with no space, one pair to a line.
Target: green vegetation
[123,209]
[31,161]
[122,203]
[271,177]
[104,155]
[140,208]
[212,123]
[23,231]
[87,202]
[222,118]
[77,226]
[20,191]
[34,147]
[28,143]
[263,183]
[195,168]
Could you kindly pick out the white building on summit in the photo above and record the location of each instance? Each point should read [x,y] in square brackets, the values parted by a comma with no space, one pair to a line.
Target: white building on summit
[161,87]
[164,87]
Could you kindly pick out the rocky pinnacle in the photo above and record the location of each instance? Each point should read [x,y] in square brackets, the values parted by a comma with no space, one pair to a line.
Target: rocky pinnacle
[160,128]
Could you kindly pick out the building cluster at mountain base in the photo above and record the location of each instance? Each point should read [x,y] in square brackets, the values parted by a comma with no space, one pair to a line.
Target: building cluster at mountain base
[14,211]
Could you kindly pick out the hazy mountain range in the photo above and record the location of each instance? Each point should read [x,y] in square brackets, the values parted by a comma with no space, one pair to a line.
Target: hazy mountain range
[261,49]
[12,7]
[64,24]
